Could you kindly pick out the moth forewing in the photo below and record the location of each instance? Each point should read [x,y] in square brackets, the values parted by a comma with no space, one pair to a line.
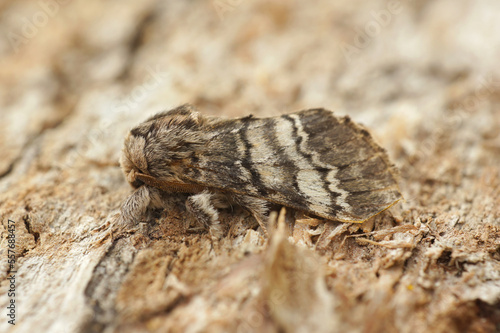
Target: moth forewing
[311,161]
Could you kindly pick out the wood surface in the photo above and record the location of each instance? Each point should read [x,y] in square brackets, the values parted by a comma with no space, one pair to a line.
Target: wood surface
[423,76]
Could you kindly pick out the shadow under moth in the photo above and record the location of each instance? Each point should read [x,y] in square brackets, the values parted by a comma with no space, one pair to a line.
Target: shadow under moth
[311,161]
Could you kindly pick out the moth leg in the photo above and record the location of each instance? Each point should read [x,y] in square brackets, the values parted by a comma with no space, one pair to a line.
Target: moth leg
[257,207]
[136,205]
[202,207]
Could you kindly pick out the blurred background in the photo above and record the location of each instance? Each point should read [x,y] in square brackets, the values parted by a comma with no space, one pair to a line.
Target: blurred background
[422,75]
[397,66]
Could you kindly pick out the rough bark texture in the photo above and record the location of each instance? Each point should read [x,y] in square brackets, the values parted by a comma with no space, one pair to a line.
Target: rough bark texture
[423,75]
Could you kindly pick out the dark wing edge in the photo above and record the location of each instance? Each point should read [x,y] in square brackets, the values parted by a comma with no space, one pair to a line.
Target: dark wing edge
[364,205]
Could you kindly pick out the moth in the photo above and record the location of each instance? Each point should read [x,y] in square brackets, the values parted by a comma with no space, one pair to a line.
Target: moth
[311,161]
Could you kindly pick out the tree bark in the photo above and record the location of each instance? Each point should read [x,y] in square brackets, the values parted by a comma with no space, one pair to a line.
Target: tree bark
[76,76]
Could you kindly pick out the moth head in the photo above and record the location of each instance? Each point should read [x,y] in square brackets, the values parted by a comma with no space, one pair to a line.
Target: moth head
[160,146]
[133,160]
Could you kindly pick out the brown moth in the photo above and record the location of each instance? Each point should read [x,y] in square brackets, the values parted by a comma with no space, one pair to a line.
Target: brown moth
[311,161]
